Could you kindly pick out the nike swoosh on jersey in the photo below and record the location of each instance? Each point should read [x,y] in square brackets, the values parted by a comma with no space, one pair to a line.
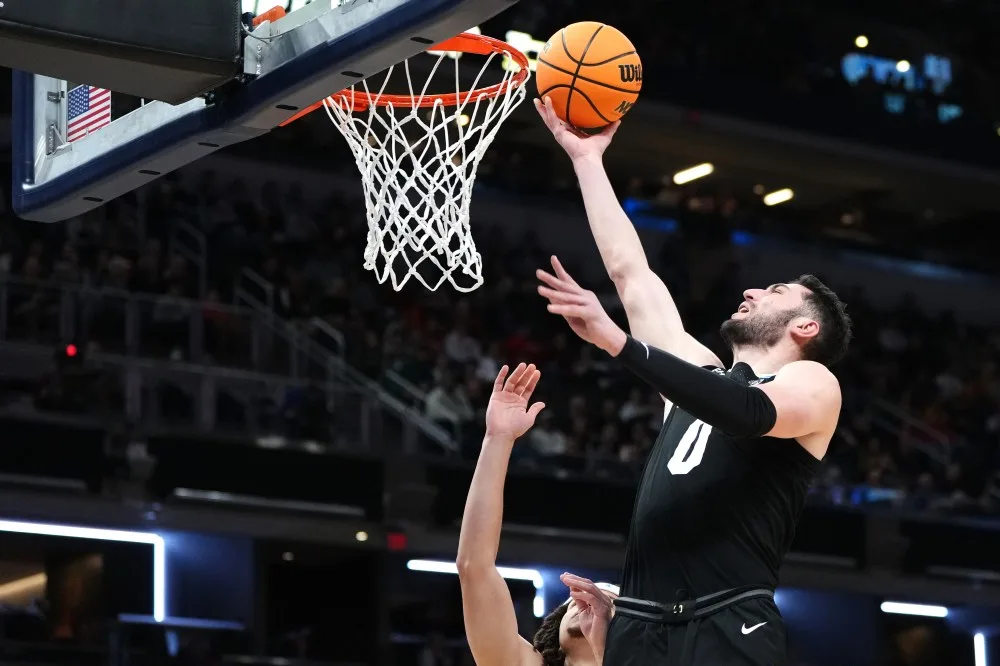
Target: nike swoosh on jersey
[748,630]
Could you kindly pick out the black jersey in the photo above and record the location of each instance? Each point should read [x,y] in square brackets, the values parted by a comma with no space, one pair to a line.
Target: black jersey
[713,512]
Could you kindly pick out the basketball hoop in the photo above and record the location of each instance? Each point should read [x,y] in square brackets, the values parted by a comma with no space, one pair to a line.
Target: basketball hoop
[418,154]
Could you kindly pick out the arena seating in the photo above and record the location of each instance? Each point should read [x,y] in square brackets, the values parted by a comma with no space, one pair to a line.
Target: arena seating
[174,327]
[927,440]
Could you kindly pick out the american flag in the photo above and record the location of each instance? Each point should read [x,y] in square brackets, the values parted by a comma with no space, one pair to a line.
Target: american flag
[89,109]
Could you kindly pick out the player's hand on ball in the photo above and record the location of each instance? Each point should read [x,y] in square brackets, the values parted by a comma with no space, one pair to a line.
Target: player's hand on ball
[576,144]
[508,414]
[595,607]
[580,308]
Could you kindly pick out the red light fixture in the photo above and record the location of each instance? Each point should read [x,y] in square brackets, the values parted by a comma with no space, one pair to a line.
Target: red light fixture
[396,541]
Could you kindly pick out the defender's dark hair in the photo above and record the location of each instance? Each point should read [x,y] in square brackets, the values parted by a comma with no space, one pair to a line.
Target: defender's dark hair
[546,640]
[830,345]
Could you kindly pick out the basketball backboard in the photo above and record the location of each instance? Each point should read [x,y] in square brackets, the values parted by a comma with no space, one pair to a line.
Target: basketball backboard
[77,146]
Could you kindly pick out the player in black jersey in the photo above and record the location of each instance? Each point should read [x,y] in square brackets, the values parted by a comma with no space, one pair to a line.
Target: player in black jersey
[727,478]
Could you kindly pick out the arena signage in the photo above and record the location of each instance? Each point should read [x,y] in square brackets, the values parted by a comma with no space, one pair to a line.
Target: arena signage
[903,79]
[934,72]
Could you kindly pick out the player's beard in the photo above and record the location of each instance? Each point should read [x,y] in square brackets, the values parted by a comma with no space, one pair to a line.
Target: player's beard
[756,329]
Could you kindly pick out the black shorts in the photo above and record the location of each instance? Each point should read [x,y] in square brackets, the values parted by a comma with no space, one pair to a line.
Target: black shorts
[749,632]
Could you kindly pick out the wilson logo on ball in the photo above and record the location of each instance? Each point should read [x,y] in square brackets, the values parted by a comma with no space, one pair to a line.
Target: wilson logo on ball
[623,107]
[630,73]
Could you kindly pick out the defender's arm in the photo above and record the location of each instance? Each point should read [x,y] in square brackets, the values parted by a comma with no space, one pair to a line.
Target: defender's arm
[490,623]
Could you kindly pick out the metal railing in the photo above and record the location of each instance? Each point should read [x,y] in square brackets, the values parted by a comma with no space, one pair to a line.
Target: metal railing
[897,422]
[187,399]
[329,338]
[189,242]
[204,342]
[157,326]
[319,342]
[404,388]
[252,290]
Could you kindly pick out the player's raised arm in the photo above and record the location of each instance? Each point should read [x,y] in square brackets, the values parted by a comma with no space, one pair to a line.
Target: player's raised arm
[651,311]
[490,623]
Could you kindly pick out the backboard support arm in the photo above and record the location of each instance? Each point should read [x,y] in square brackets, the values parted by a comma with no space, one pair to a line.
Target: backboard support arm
[294,61]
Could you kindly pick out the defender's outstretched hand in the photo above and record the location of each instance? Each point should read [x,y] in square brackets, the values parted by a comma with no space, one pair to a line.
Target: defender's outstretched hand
[576,144]
[595,607]
[580,308]
[508,414]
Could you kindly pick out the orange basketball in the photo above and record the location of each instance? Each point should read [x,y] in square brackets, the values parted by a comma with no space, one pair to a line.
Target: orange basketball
[592,73]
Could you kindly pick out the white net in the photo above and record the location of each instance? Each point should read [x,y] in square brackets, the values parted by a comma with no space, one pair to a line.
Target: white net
[418,165]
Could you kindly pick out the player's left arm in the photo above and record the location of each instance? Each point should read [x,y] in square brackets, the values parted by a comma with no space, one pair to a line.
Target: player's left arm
[490,621]
[807,400]
[802,402]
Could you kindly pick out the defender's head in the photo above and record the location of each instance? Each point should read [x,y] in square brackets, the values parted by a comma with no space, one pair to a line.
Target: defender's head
[560,635]
[804,311]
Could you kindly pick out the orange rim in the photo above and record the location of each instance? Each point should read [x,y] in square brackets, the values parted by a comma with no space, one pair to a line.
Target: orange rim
[271,15]
[466,42]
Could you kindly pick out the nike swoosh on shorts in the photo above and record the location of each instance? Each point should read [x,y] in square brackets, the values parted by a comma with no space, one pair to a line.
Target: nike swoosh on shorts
[748,630]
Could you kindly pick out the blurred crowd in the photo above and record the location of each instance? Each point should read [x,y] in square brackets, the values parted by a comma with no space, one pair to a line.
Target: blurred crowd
[921,422]
[920,428]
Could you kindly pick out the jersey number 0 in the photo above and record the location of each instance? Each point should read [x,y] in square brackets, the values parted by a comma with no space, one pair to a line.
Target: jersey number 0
[691,449]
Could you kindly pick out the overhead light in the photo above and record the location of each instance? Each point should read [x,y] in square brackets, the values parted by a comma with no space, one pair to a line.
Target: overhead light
[923,610]
[861,41]
[121,536]
[903,66]
[463,120]
[778,197]
[288,556]
[693,173]
[361,536]
[508,573]
[979,648]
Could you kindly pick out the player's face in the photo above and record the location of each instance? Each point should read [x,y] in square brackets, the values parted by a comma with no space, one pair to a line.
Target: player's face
[777,297]
[569,628]
[764,316]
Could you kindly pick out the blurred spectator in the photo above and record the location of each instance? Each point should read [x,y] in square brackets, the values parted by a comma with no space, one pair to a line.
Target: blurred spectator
[170,327]
[306,413]
[545,439]
[448,405]
[461,347]
[128,464]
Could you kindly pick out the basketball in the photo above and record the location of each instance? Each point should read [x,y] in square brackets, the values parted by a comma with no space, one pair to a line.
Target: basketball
[592,73]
